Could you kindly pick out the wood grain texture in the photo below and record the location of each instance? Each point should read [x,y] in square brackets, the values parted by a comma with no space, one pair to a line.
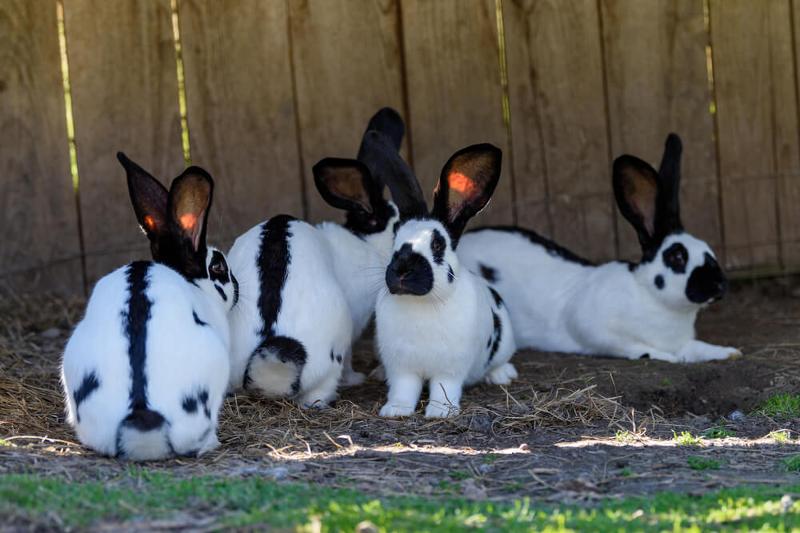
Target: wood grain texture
[658,83]
[242,123]
[40,250]
[125,97]
[347,64]
[789,181]
[454,90]
[757,123]
[558,77]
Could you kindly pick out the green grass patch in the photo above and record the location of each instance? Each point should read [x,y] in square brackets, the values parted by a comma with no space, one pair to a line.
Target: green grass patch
[685,438]
[696,462]
[781,406]
[230,502]
[718,432]
[781,436]
[792,463]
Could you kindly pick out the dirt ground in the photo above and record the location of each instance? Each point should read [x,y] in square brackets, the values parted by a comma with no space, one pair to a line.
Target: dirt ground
[571,429]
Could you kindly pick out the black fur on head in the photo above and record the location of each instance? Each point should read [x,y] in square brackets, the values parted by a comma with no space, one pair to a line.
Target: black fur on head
[649,200]
[355,186]
[175,220]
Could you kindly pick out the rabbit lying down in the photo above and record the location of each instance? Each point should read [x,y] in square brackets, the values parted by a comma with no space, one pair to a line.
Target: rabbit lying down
[560,302]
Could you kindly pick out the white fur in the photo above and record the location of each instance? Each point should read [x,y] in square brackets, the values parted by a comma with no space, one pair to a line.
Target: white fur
[313,312]
[440,337]
[182,357]
[359,264]
[563,306]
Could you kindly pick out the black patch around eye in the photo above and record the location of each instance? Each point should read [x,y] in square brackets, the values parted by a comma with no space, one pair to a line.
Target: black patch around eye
[676,257]
[451,276]
[659,281]
[338,358]
[197,319]
[438,246]
[203,397]
[189,404]
[488,273]
[89,384]
[218,268]
[497,299]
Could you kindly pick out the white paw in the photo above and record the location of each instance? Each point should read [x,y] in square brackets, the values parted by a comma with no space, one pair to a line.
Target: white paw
[378,373]
[440,410]
[502,375]
[351,378]
[711,353]
[390,410]
[314,404]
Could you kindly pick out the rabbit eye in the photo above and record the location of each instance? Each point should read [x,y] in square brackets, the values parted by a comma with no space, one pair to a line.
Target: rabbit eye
[676,257]
[219,269]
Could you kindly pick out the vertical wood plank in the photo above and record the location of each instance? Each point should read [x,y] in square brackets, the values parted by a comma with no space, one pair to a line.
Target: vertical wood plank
[37,203]
[658,83]
[125,97]
[454,89]
[757,123]
[789,181]
[559,71]
[347,64]
[240,109]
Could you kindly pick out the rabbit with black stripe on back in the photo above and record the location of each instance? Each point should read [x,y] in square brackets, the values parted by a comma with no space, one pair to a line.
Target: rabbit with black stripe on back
[145,371]
[561,302]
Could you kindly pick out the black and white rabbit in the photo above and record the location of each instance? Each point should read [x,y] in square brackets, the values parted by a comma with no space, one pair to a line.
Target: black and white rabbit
[292,328]
[362,246]
[145,371]
[436,321]
[560,302]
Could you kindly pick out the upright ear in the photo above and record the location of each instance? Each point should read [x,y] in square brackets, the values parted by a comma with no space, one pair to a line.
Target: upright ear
[149,198]
[388,122]
[467,183]
[189,201]
[386,165]
[636,191]
[668,215]
[344,183]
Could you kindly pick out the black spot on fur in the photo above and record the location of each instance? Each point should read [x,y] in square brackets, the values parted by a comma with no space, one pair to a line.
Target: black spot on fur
[451,276]
[338,358]
[396,227]
[285,350]
[189,404]
[438,247]
[675,258]
[332,356]
[409,273]
[221,293]
[496,297]
[273,266]
[197,319]
[202,396]
[135,319]
[707,282]
[659,281]
[144,420]
[551,247]
[88,385]
[644,356]
[496,335]
[488,273]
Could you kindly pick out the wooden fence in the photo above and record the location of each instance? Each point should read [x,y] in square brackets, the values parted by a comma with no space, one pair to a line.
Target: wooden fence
[267,87]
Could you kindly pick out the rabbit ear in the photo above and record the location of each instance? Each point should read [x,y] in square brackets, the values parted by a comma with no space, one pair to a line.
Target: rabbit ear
[465,186]
[668,213]
[388,122]
[148,197]
[386,165]
[636,191]
[345,184]
[189,201]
